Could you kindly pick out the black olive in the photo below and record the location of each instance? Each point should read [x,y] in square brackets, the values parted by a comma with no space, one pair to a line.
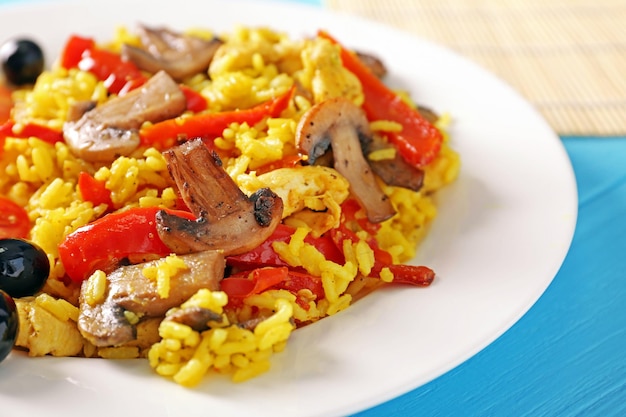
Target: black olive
[8,324]
[24,267]
[22,61]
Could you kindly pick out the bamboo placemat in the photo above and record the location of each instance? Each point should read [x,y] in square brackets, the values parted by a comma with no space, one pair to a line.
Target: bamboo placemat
[567,57]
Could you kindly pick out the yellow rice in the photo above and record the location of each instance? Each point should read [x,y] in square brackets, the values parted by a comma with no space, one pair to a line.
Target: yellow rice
[254,65]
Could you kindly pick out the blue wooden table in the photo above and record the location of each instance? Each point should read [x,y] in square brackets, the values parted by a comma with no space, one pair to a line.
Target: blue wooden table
[567,355]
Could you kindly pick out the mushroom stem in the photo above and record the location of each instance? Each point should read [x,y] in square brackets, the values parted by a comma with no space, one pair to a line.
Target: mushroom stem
[350,163]
[340,124]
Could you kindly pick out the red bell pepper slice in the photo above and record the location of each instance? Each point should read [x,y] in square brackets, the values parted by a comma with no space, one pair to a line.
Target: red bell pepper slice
[289,161]
[210,125]
[419,141]
[195,101]
[264,254]
[93,190]
[119,75]
[73,51]
[403,274]
[244,284]
[14,221]
[105,242]
[6,103]
[44,133]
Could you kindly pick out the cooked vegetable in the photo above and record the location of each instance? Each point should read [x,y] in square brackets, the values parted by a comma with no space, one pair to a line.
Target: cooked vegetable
[8,324]
[419,141]
[115,238]
[14,221]
[340,124]
[119,76]
[178,54]
[22,61]
[227,219]
[128,289]
[210,125]
[24,267]
[112,129]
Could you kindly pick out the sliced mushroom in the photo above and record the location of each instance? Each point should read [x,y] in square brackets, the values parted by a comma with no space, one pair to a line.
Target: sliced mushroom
[112,129]
[178,54]
[227,219]
[106,324]
[375,65]
[395,171]
[341,125]
[198,318]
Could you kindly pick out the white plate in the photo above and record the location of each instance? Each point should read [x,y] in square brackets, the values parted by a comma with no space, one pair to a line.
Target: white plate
[503,230]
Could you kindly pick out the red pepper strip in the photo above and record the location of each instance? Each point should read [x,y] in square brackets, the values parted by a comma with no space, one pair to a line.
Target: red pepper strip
[195,101]
[403,274]
[247,283]
[6,103]
[349,210]
[119,75]
[14,221]
[93,190]
[253,282]
[73,51]
[417,275]
[105,242]
[289,161]
[264,254]
[419,141]
[44,133]
[211,125]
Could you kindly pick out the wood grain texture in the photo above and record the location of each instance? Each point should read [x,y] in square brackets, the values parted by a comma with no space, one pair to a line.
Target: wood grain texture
[567,57]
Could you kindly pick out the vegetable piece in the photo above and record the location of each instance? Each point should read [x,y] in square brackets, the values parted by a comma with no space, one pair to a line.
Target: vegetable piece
[8,324]
[24,267]
[119,75]
[227,219]
[178,54]
[22,61]
[11,129]
[264,254]
[108,241]
[340,124]
[112,129]
[128,289]
[195,101]
[6,105]
[253,282]
[210,125]
[419,141]
[93,190]
[74,49]
[417,275]
[14,221]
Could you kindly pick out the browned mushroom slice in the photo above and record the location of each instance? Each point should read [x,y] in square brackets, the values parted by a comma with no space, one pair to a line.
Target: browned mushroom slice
[112,129]
[395,171]
[338,123]
[178,54]
[374,64]
[227,219]
[128,290]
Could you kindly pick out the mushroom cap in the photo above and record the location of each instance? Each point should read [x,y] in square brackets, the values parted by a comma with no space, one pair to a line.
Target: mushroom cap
[339,124]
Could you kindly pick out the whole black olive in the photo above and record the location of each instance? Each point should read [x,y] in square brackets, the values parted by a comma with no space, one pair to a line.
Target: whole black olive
[22,61]
[24,267]
[8,324]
